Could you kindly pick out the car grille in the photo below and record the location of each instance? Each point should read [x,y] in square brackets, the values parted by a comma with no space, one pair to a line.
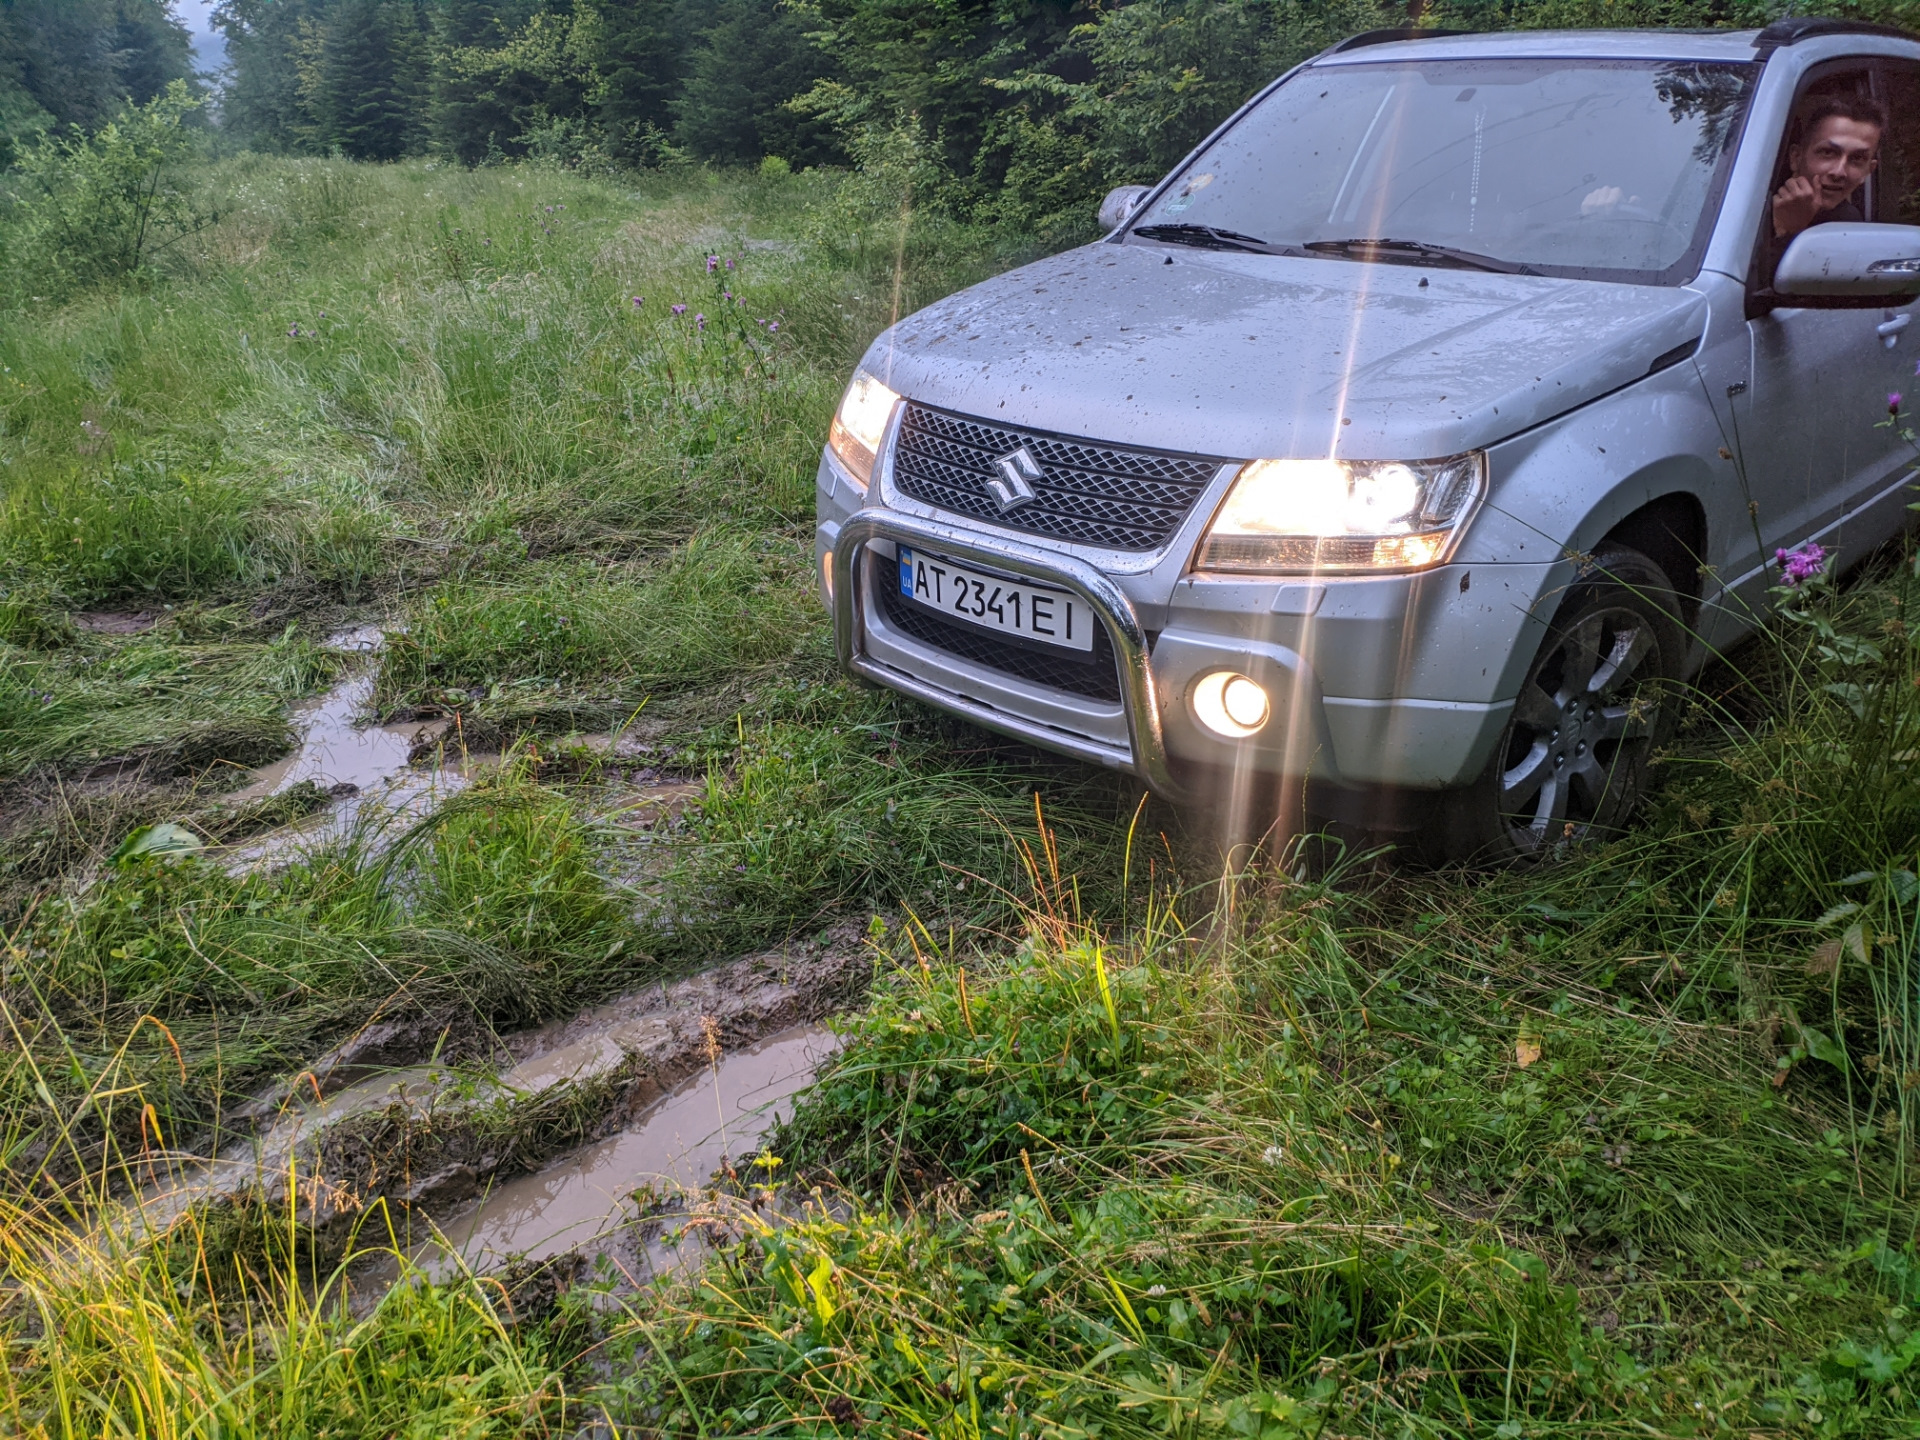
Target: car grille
[1090,493]
[1078,673]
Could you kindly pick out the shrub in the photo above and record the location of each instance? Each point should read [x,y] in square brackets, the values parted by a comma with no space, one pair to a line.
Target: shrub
[98,210]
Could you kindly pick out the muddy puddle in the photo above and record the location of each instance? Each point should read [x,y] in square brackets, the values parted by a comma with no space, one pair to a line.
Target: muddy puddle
[666,1083]
[617,1199]
[366,769]
[376,775]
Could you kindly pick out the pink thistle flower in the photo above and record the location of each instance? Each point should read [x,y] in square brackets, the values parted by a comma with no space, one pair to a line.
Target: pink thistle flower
[679,309]
[1893,402]
[1801,563]
[638,301]
[700,322]
[774,328]
[729,264]
[713,263]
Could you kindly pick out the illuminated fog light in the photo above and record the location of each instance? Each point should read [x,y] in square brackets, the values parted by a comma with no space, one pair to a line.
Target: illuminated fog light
[1231,705]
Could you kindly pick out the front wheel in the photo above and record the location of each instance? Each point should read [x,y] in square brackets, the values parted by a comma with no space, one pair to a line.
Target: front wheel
[1571,763]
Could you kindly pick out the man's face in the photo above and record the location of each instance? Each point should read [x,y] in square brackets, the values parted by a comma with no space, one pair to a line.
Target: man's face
[1837,158]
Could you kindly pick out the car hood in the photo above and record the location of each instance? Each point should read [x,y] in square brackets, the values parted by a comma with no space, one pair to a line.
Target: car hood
[1245,355]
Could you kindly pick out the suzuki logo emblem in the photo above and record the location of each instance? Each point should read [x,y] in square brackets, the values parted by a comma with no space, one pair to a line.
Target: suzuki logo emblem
[1013,486]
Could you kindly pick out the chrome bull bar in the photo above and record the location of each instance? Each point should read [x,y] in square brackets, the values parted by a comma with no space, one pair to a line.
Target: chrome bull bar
[1140,697]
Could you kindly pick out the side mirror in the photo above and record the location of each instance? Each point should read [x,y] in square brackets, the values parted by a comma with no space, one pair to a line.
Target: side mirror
[1850,260]
[1120,204]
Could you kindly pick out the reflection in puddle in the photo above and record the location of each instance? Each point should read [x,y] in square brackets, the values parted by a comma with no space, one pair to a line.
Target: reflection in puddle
[583,1202]
[333,751]
[364,766]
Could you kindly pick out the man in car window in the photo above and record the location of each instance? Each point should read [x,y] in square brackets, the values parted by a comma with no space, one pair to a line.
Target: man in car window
[1839,147]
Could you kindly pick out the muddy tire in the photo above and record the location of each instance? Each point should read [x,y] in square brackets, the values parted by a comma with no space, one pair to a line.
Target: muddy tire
[1571,764]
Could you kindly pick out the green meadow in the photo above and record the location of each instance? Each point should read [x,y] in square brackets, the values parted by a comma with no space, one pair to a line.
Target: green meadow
[1131,1137]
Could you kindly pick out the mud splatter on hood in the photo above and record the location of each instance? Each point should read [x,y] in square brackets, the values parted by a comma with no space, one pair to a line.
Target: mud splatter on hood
[1244,355]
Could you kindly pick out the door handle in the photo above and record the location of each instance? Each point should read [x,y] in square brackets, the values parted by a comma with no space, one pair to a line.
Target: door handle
[1889,329]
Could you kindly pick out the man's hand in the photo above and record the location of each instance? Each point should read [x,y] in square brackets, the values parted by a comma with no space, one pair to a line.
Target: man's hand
[1605,198]
[1794,205]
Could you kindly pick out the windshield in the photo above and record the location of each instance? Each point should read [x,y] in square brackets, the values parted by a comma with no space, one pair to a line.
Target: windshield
[1601,170]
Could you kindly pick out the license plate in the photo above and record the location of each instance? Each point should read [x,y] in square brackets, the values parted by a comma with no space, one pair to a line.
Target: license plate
[1053,617]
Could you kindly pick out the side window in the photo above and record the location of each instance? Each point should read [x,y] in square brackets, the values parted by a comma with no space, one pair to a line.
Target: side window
[1820,171]
[1897,185]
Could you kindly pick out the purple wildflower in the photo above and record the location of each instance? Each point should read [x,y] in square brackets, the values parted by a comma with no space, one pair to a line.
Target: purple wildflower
[323,314]
[679,309]
[638,301]
[774,328]
[729,264]
[1893,402]
[293,333]
[700,322]
[1803,562]
[713,262]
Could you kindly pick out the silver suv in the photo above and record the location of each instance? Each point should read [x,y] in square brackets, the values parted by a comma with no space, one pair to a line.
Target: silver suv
[1411,438]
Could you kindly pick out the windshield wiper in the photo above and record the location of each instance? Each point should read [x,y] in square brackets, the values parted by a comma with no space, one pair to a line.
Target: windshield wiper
[1210,237]
[1402,251]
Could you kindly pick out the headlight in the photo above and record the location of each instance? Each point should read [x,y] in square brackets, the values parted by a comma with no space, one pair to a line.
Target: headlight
[1294,515]
[859,424]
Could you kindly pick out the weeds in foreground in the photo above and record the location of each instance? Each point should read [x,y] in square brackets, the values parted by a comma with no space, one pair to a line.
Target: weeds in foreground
[189,1339]
[1181,1188]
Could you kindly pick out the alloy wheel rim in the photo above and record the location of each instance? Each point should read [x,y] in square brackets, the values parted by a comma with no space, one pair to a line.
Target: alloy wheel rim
[1580,729]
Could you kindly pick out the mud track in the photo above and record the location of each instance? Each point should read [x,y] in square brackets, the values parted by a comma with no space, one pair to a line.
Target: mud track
[379,1120]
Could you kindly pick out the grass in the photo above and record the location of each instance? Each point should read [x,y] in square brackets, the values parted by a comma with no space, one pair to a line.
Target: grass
[1126,1141]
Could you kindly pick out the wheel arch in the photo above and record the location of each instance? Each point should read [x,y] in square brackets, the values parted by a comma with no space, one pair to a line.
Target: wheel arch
[1671,531]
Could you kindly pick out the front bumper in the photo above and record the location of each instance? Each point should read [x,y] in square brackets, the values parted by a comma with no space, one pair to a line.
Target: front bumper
[1129,737]
[1150,731]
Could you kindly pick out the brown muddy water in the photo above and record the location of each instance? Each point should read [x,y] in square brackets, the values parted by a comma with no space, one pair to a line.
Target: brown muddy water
[663,1086]
[618,1199]
[367,769]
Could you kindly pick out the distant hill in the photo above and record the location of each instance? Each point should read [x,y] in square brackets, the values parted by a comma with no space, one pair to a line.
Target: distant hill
[209,51]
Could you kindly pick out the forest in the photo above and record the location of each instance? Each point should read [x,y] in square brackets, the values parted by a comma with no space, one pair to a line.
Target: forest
[1017,112]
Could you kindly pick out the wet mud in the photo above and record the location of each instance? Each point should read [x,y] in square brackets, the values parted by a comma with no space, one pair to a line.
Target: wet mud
[614,1202]
[577,1138]
[380,1121]
[368,771]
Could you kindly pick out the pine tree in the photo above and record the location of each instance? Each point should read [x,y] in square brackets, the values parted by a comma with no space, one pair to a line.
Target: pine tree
[150,48]
[643,47]
[469,118]
[265,104]
[741,72]
[73,64]
[371,80]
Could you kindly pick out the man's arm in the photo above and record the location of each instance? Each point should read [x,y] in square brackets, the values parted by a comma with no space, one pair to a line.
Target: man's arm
[1794,206]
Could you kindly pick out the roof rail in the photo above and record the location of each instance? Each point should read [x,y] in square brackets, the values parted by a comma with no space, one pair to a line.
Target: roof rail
[1387,37]
[1795,28]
